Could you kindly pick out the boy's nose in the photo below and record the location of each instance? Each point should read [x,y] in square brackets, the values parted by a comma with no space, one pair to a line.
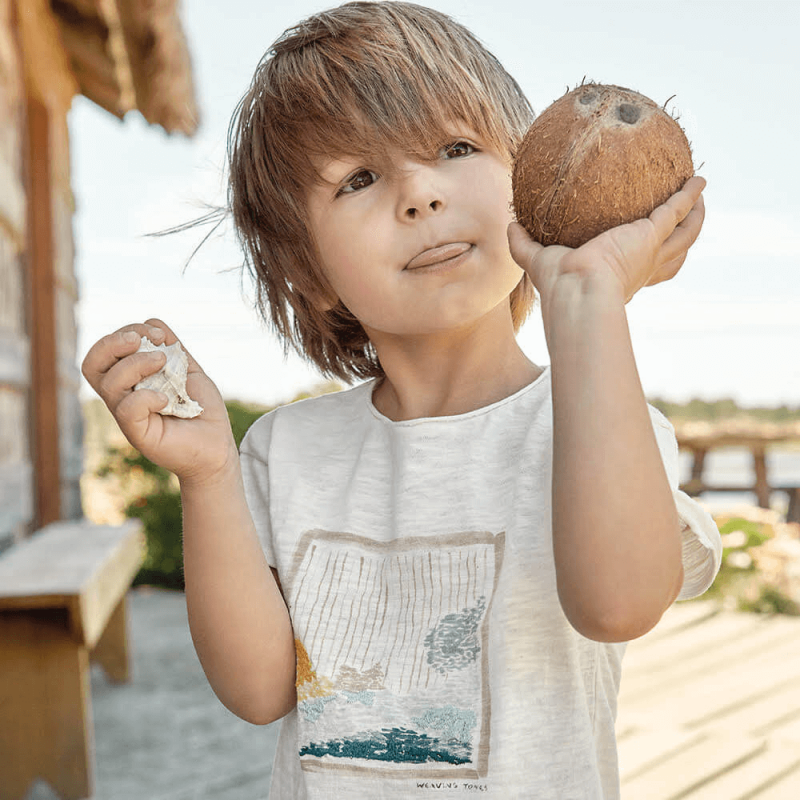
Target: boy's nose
[432,207]
[421,194]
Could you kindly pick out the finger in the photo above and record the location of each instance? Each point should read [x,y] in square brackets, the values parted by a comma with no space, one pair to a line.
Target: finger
[667,271]
[121,379]
[138,410]
[115,346]
[685,233]
[171,338]
[667,216]
[169,335]
[523,249]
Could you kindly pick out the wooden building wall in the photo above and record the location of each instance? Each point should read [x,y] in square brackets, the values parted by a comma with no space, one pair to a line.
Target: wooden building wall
[16,470]
[40,420]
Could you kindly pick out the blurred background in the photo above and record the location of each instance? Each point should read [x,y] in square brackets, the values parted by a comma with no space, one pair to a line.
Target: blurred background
[86,183]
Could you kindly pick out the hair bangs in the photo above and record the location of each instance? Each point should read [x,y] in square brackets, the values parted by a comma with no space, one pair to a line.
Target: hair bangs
[360,90]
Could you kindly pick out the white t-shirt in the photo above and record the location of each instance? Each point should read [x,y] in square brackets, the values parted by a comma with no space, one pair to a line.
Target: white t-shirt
[434,659]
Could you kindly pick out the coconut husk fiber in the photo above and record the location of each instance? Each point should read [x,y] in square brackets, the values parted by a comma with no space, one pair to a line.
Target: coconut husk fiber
[598,157]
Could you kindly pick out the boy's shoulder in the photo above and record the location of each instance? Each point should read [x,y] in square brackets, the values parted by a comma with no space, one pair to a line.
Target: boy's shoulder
[310,417]
[324,405]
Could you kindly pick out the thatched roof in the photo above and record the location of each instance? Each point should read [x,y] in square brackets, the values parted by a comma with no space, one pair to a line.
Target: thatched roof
[131,54]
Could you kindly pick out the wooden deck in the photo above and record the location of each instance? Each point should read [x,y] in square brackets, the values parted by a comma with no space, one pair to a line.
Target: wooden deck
[710,708]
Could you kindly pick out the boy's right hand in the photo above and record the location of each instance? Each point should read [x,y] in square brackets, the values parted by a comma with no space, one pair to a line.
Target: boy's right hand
[197,450]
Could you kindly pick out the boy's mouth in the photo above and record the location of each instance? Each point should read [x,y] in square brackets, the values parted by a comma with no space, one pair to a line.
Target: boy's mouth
[436,255]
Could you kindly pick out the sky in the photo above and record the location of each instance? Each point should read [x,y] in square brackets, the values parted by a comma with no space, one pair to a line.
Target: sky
[727,326]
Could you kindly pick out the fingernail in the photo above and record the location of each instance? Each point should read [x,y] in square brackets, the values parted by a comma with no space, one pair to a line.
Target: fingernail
[130,336]
[156,333]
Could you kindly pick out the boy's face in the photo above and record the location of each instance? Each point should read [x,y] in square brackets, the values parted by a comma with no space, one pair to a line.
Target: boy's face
[415,248]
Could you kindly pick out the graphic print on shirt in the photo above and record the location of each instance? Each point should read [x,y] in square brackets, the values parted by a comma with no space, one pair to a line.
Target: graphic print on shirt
[392,662]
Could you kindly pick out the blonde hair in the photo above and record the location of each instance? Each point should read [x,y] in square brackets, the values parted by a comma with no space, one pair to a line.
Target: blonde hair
[359,79]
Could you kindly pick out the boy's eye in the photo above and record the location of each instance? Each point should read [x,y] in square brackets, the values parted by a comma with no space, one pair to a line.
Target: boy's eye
[358,180]
[458,150]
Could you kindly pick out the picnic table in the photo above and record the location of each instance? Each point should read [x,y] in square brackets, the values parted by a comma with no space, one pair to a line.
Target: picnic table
[702,438]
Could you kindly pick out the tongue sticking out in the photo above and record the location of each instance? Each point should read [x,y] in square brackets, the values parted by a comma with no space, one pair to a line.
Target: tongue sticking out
[436,255]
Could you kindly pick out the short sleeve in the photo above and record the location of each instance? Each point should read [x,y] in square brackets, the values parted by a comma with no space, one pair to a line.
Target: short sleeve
[701,542]
[254,458]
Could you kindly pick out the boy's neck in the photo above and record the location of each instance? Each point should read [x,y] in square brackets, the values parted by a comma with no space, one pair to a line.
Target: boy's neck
[437,376]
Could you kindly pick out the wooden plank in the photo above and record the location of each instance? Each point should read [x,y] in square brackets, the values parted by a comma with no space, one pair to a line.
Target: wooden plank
[71,451]
[748,780]
[713,692]
[111,650]
[48,74]
[692,769]
[107,586]
[773,706]
[60,559]
[12,194]
[787,731]
[45,727]
[678,618]
[645,748]
[83,568]
[787,788]
[16,495]
[721,719]
[761,486]
[668,653]
[42,307]
[12,204]
[14,359]
[704,655]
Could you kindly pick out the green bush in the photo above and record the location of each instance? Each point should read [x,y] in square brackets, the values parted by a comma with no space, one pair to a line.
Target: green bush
[740,584]
[157,503]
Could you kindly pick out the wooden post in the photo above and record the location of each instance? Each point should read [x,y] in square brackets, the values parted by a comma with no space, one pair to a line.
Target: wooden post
[49,89]
[696,485]
[111,650]
[41,281]
[793,511]
[45,728]
[761,488]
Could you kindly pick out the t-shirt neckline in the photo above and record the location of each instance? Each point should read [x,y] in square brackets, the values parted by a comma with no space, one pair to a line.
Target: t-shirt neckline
[370,386]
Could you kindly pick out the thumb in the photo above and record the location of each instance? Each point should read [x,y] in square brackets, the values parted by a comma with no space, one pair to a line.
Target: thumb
[523,249]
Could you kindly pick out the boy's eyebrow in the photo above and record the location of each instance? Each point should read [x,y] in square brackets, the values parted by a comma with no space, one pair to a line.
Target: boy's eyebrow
[330,170]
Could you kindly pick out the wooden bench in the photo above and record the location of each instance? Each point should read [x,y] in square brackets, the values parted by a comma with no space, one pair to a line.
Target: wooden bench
[62,602]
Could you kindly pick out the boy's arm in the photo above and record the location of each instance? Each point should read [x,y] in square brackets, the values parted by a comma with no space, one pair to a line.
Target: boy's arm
[238,619]
[239,622]
[616,532]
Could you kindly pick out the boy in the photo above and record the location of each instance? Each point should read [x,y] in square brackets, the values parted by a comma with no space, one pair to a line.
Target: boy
[434,573]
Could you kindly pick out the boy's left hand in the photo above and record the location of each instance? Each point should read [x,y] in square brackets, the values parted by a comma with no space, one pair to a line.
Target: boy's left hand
[640,253]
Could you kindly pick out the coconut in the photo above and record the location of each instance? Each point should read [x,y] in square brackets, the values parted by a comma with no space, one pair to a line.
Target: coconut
[598,157]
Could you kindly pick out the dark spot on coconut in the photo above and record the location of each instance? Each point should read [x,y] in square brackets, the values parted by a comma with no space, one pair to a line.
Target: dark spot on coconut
[628,113]
[588,97]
